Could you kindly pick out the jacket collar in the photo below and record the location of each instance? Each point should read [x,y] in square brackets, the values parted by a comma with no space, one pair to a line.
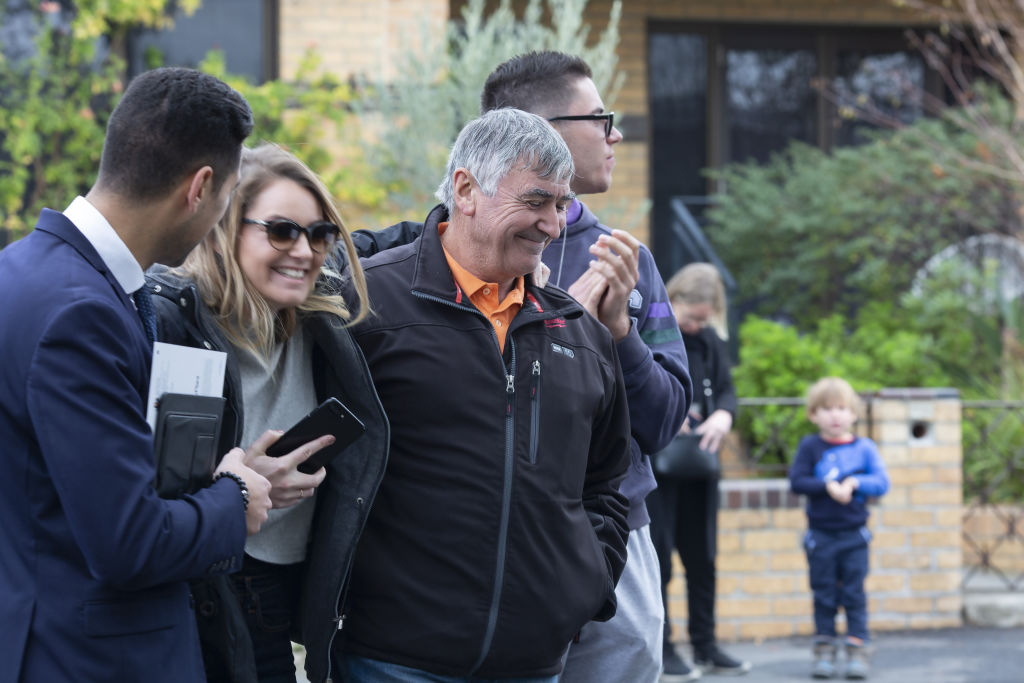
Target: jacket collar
[431,275]
[184,295]
[171,285]
[61,227]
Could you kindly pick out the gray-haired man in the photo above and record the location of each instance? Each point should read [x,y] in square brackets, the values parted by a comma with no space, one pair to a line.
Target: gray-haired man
[498,530]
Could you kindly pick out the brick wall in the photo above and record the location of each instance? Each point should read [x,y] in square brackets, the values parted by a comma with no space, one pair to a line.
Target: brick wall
[916,556]
[355,36]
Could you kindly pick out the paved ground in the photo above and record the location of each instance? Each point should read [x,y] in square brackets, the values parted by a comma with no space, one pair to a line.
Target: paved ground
[960,655]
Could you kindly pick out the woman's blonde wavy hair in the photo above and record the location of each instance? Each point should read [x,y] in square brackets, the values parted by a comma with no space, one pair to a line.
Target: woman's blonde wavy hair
[241,311]
[701,283]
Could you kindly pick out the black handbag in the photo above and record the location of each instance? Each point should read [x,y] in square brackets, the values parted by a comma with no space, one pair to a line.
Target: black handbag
[685,459]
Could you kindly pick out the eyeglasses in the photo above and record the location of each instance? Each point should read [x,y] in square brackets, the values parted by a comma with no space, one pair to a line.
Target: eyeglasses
[283,233]
[609,120]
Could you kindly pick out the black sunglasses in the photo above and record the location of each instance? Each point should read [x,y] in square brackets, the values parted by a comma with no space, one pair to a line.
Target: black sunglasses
[609,120]
[282,233]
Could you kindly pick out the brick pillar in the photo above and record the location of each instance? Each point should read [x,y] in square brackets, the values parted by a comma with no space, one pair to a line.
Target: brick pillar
[916,557]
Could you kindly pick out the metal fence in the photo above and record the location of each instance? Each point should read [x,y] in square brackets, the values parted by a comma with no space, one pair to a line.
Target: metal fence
[993,520]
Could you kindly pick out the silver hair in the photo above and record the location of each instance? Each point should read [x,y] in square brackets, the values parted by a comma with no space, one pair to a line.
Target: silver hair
[503,140]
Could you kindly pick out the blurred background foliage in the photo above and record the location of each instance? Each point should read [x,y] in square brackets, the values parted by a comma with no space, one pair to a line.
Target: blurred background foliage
[57,90]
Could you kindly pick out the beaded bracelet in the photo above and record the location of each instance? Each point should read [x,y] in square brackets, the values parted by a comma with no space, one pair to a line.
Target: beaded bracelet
[241,485]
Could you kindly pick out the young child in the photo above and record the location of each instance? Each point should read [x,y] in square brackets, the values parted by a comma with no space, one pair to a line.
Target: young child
[838,472]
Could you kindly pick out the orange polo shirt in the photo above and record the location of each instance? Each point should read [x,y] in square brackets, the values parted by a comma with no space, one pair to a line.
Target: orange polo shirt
[484,295]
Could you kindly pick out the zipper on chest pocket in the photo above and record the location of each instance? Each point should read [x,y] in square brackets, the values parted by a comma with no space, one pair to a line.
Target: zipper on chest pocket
[534,410]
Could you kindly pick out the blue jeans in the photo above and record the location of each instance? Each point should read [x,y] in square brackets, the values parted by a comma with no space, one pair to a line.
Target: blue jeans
[354,669]
[838,562]
[269,595]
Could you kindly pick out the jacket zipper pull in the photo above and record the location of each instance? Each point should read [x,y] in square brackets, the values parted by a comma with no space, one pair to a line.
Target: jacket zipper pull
[510,390]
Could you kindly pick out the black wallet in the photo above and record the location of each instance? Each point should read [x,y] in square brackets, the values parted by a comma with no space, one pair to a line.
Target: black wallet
[185,441]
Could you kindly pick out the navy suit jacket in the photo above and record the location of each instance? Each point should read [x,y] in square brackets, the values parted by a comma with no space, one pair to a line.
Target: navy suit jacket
[93,565]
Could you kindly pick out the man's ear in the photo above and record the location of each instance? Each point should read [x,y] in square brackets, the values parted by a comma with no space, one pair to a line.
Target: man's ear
[199,186]
[464,191]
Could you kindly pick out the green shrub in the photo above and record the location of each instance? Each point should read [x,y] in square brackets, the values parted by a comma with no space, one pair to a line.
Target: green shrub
[855,225]
[876,350]
[54,104]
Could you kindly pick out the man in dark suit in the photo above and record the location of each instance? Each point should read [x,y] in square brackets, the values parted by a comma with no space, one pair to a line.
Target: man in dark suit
[93,565]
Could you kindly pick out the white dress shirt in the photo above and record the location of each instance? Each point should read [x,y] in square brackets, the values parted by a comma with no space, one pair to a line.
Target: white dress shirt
[101,235]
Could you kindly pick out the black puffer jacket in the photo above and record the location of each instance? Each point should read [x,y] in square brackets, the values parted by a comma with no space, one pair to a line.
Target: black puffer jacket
[345,496]
[499,530]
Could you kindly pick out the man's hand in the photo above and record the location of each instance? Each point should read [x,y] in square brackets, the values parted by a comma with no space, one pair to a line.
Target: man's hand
[605,287]
[589,289]
[288,485]
[259,488]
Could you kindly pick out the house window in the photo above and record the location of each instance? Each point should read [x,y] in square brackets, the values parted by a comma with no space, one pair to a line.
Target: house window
[893,82]
[244,30]
[725,93]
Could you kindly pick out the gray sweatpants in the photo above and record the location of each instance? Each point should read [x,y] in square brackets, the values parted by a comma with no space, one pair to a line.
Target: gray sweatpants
[627,647]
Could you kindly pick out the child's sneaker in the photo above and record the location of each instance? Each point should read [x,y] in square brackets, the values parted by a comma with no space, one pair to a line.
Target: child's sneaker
[857,662]
[711,660]
[824,659]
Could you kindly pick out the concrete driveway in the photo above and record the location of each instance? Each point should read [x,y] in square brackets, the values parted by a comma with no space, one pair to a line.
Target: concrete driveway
[959,655]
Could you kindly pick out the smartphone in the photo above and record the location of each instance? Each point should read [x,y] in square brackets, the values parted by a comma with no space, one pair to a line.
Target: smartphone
[330,417]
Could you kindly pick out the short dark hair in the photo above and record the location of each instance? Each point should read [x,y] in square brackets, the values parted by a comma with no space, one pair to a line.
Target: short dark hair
[537,82]
[169,123]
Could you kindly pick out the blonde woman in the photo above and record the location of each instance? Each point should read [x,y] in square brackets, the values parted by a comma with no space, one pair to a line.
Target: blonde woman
[684,512]
[258,287]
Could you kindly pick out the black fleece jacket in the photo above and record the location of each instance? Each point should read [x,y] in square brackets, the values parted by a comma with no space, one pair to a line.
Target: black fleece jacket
[498,530]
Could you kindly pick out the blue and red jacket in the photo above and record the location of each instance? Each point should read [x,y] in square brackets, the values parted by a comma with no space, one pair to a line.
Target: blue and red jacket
[819,461]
